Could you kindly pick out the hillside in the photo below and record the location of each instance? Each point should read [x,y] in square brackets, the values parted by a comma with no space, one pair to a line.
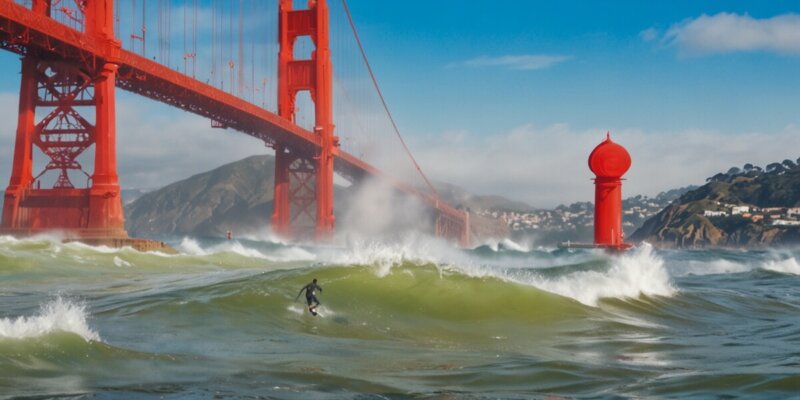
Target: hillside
[741,208]
[238,197]
[461,198]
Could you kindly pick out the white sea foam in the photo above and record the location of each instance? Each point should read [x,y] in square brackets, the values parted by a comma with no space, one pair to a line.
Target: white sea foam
[234,246]
[6,239]
[507,244]
[715,267]
[385,256]
[57,315]
[283,254]
[265,235]
[121,263]
[323,311]
[291,254]
[638,272]
[786,266]
[191,247]
[512,245]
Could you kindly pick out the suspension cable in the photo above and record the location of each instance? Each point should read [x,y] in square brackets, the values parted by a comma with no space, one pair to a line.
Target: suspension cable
[383,101]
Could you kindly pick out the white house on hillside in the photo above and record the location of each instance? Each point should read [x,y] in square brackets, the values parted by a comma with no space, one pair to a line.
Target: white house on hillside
[736,210]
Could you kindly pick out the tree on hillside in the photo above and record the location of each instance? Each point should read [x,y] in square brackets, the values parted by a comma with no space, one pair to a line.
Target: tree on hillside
[733,171]
[716,178]
[789,164]
[747,167]
[775,168]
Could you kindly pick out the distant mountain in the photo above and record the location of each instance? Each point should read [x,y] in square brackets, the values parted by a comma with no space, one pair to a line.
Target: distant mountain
[750,206]
[459,197]
[234,196]
[130,195]
[239,197]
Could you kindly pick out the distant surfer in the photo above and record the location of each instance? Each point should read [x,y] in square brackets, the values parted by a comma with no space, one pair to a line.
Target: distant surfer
[311,297]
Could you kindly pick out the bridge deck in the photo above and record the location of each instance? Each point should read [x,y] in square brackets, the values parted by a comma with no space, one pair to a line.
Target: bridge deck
[23,31]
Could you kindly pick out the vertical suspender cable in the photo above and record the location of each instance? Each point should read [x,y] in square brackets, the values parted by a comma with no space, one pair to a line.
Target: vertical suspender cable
[116,21]
[185,54]
[159,36]
[133,25]
[144,28]
[240,61]
[231,64]
[213,42]
[194,41]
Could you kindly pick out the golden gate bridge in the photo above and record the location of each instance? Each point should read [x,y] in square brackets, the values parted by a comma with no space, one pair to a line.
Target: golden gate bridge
[262,68]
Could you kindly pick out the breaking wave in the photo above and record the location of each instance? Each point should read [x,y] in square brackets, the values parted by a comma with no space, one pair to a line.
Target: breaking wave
[59,315]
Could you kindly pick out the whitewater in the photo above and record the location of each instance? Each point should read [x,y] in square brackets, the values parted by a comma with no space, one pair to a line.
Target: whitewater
[412,318]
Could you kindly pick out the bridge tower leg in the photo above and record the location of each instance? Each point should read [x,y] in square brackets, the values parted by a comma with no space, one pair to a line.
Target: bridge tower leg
[65,93]
[303,206]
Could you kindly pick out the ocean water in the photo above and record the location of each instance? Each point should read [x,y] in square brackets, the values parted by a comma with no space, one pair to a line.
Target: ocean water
[416,319]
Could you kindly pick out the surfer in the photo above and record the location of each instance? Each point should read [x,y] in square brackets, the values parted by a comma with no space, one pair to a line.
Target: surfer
[311,296]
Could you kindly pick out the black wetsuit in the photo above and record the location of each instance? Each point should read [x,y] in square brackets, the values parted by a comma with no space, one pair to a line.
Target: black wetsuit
[310,291]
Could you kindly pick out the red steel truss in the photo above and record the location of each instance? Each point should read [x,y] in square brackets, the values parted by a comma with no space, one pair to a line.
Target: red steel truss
[61,64]
[295,169]
[68,89]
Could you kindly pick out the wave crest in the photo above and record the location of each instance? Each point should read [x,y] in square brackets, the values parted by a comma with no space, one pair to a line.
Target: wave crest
[54,316]
[786,266]
[638,272]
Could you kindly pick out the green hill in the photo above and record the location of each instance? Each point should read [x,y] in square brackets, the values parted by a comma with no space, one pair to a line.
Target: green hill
[234,196]
[708,216]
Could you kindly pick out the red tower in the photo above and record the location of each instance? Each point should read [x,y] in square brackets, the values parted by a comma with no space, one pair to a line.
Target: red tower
[303,204]
[66,93]
[609,161]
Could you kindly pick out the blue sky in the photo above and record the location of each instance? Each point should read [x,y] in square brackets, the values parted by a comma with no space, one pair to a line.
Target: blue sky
[509,97]
[611,77]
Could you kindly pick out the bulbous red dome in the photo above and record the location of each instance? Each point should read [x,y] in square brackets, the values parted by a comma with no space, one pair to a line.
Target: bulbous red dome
[609,159]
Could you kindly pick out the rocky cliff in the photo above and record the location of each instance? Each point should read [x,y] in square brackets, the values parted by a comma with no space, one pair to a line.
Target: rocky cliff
[704,217]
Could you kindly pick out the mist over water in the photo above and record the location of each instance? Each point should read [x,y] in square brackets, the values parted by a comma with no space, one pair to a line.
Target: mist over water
[410,317]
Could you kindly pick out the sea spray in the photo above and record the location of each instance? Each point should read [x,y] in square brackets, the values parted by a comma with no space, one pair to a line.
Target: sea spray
[59,315]
[383,256]
[713,267]
[785,266]
[189,246]
[638,272]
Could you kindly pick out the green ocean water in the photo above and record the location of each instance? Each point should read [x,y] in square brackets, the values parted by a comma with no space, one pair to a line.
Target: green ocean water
[413,319]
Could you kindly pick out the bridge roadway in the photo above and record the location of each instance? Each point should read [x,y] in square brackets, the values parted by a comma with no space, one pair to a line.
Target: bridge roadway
[22,30]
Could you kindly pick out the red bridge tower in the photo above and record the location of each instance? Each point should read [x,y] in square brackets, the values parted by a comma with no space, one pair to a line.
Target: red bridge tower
[66,93]
[304,179]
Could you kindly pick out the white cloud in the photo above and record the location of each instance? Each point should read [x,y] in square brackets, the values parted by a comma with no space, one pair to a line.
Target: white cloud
[648,35]
[526,62]
[547,166]
[543,166]
[727,33]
